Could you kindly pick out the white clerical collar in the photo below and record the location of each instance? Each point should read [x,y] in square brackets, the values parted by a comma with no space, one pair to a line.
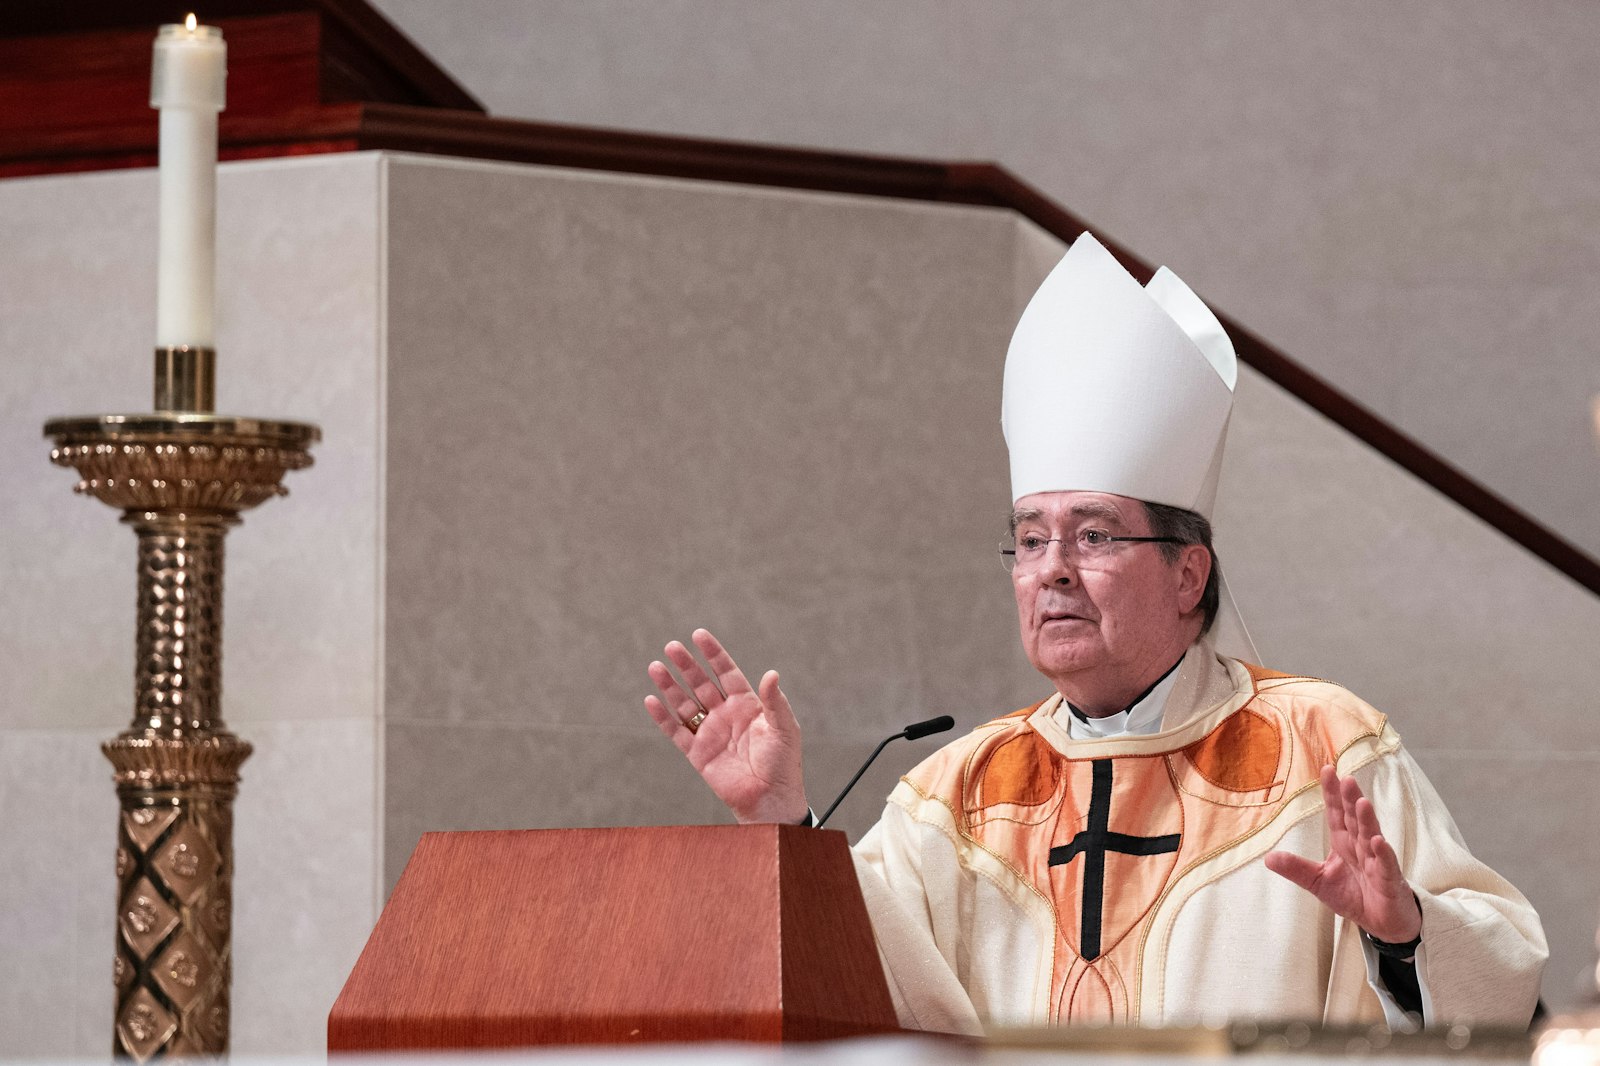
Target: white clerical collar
[1141,719]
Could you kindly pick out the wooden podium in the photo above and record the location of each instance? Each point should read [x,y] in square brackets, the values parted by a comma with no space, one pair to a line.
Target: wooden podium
[616,936]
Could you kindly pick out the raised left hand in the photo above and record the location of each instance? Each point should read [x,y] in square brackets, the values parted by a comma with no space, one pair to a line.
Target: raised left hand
[1360,879]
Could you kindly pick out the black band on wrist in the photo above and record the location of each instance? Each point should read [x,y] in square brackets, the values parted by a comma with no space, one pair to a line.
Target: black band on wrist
[809,820]
[1394,951]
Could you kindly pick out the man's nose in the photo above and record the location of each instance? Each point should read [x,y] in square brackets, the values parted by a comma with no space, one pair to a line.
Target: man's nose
[1057,566]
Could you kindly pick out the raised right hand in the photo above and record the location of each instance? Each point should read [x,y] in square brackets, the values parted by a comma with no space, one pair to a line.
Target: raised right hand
[747,747]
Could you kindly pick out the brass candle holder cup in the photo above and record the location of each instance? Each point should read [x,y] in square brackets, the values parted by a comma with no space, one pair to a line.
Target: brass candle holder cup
[181,477]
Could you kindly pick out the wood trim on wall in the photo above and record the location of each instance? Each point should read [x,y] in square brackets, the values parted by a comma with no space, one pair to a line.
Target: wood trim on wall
[347,126]
[364,55]
[479,136]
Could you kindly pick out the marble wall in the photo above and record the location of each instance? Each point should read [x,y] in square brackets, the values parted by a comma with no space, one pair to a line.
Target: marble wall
[1402,195]
[571,416]
[622,409]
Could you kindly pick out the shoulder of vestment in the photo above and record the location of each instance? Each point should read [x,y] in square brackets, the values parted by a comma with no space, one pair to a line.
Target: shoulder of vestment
[1273,721]
[942,774]
[1323,716]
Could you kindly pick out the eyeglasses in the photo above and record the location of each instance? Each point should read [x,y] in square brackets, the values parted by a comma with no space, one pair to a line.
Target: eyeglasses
[1088,549]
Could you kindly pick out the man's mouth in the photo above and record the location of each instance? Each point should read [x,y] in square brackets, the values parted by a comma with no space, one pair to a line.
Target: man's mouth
[1063,615]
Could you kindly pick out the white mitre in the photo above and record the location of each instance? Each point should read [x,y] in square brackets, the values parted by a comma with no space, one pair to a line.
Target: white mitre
[1115,387]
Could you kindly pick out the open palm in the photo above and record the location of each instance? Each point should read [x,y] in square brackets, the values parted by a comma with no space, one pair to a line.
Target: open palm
[1361,878]
[747,745]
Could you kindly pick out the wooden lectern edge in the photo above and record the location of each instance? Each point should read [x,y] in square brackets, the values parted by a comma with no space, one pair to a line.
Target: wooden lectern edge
[377,1034]
[809,994]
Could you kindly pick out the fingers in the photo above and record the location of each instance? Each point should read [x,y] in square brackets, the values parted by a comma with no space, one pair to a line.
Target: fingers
[1361,878]
[681,700]
[1296,868]
[670,724]
[1367,830]
[673,697]
[1339,821]
[706,693]
[1385,864]
[1332,800]
[1366,815]
[1396,914]
[1352,821]
[728,673]
[777,704]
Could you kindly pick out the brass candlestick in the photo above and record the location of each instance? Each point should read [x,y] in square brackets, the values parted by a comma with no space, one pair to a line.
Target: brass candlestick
[181,477]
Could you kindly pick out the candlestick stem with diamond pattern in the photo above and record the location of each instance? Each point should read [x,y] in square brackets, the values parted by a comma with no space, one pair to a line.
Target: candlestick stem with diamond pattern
[181,476]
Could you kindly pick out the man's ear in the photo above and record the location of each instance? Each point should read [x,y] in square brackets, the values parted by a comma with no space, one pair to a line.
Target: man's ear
[1194,569]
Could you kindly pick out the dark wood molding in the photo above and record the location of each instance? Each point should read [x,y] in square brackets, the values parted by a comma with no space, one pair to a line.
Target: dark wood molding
[334,75]
[419,130]
[362,55]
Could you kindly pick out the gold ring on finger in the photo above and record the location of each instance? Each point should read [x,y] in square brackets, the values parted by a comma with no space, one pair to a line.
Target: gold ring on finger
[694,723]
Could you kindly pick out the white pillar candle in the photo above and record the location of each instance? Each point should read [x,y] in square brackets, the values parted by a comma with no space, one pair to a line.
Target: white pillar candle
[187,85]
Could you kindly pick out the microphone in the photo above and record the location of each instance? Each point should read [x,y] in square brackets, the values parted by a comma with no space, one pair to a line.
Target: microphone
[915,731]
[927,729]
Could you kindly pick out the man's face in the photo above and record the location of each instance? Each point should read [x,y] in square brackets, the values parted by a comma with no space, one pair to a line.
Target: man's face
[1097,631]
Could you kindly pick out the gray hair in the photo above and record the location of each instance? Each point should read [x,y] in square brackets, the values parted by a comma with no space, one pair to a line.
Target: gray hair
[1190,528]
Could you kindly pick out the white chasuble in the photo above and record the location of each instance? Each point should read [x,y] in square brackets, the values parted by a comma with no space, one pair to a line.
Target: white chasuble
[1020,876]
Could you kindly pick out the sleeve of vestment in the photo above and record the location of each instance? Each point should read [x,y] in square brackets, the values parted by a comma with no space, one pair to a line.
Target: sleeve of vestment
[927,994]
[1483,948]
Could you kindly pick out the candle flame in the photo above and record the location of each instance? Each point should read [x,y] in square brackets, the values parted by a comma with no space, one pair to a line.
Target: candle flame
[190,22]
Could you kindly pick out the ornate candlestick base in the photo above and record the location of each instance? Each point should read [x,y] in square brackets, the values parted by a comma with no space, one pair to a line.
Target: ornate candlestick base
[181,481]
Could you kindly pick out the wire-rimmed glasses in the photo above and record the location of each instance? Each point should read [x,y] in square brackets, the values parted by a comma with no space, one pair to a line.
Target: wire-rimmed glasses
[1087,549]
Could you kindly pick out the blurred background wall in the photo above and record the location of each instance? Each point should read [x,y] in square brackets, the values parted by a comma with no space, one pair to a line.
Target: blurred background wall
[1402,195]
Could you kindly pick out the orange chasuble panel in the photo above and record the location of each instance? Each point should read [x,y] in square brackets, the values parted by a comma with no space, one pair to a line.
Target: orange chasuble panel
[1104,838]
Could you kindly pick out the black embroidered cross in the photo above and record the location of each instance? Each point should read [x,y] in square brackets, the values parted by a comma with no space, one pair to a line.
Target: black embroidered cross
[1092,844]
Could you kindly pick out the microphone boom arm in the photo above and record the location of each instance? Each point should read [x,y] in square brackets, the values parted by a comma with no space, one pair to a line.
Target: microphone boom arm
[910,732]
